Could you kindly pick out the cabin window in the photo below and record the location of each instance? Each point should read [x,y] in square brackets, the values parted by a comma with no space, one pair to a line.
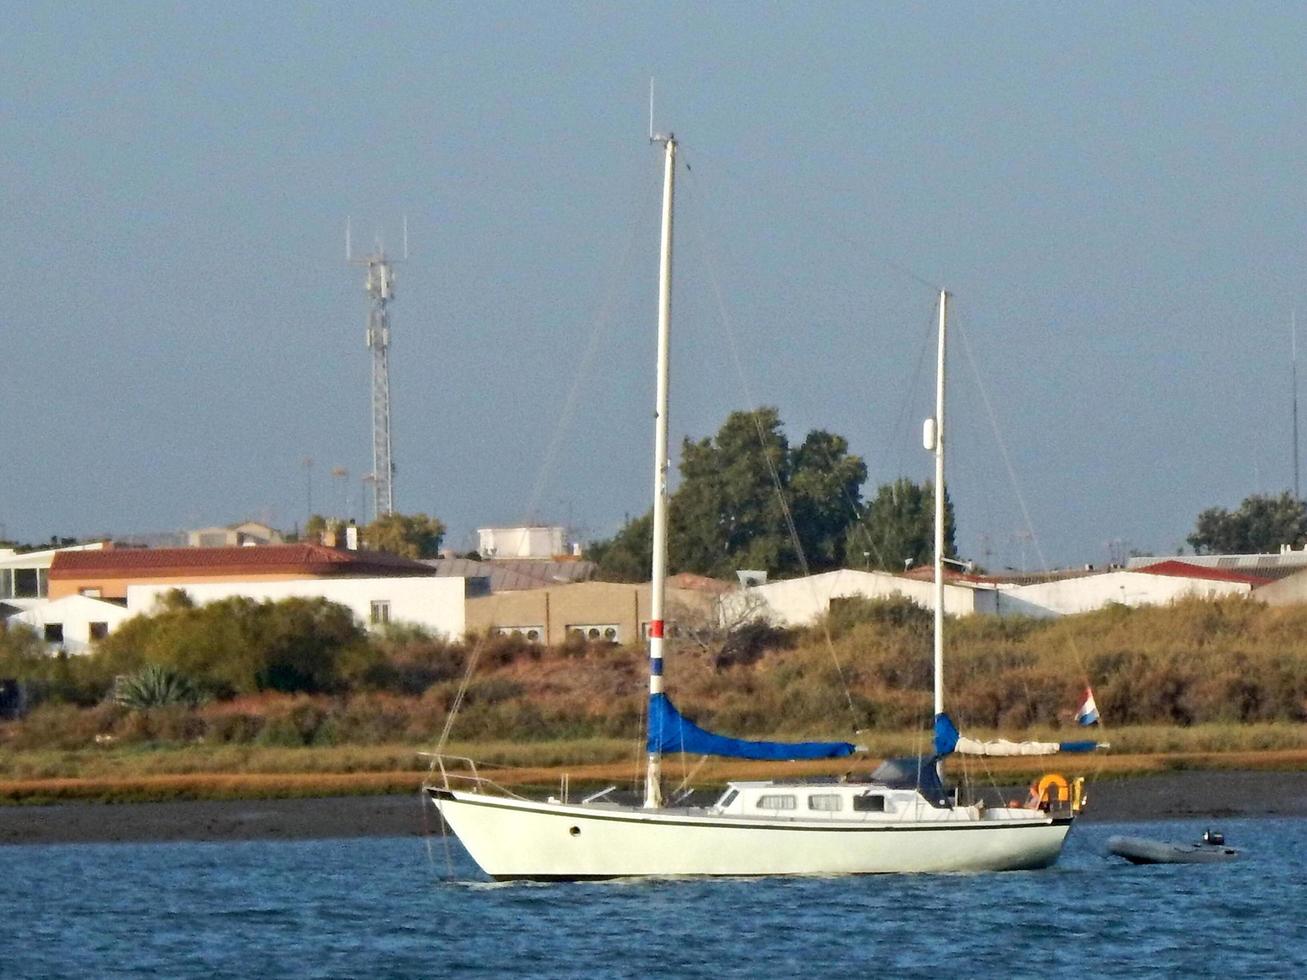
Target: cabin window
[728,799]
[54,632]
[6,583]
[97,631]
[869,803]
[380,612]
[825,801]
[777,801]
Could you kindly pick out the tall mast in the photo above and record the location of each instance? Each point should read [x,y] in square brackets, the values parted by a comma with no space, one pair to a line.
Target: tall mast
[1293,378]
[653,795]
[938,447]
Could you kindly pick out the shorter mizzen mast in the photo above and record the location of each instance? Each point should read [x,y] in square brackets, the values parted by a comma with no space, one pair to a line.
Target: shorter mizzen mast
[653,794]
[934,440]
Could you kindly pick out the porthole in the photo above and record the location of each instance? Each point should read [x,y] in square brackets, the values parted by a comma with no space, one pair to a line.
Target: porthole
[574,831]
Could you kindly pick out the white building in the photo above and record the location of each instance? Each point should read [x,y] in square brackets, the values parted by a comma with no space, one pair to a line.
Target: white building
[801,601]
[25,576]
[73,623]
[436,604]
[1141,587]
[521,542]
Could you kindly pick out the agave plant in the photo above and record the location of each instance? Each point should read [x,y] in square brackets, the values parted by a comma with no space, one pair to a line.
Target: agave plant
[155,687]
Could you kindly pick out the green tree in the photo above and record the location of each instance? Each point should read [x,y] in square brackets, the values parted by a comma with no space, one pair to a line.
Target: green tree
[745,496]
[896,530]
[1260,526]
[625,557]
[240,646]
[315,527]
[410,535]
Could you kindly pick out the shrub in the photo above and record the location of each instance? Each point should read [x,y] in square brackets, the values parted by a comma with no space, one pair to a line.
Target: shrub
[156,687]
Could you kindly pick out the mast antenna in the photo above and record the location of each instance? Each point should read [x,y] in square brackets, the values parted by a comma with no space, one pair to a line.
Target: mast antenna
[380,286]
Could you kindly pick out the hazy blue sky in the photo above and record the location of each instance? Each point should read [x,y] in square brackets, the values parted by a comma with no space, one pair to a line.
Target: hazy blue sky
[1114,192]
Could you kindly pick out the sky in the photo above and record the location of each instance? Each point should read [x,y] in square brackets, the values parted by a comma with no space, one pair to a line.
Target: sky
[1112,193]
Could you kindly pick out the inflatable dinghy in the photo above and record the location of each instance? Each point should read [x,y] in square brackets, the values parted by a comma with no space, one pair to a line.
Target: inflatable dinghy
[1140,850]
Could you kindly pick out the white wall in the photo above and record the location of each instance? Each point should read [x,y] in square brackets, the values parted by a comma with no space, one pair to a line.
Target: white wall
[520,542]
[75,613]
[1076,595]
[438,604]
[800,601]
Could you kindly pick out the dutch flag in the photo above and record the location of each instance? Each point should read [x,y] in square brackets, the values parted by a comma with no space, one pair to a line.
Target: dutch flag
[1087,713]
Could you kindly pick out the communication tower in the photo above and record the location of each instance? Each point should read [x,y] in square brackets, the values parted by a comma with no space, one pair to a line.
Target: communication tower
[380,287]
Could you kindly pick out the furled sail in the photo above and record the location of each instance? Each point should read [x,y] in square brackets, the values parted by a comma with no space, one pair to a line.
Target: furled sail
[948,740]
[670,731]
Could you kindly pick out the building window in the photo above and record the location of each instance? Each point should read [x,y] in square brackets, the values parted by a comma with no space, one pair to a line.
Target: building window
[27,583]
[98,631]
[54,632]
[380,612]
[825,801]
[777,801]
[90,591]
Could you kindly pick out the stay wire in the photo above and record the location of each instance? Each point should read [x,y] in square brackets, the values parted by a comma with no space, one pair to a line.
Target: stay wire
[727,325]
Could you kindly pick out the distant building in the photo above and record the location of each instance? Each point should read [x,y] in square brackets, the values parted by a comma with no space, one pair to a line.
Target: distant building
[801,601]
[107,574]
[233,536]
[1286,561]
[513,574]
[532,541]
[1152,585]
[611,611]
[73,623]
[25,577]
[438,605]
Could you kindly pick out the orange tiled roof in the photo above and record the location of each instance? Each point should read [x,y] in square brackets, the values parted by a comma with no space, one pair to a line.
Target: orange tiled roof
[311,560]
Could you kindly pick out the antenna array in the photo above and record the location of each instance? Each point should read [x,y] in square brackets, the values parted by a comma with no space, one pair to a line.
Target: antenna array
[380,286]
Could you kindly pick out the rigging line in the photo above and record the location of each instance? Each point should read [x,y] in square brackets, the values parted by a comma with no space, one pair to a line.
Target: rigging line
[1074,647]
[998,438]
[726,323]
[899,424]
[601,322]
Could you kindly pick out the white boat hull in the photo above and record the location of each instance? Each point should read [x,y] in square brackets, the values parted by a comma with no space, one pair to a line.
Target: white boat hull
[521,839]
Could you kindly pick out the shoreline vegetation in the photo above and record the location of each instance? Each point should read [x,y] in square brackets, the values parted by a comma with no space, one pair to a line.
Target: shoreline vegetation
[1200,685]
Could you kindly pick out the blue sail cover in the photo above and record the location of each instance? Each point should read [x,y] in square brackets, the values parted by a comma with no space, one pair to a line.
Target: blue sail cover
[670,731]
[947,739]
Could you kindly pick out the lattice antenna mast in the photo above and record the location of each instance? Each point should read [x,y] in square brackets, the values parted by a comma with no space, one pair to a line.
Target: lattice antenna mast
[380,287]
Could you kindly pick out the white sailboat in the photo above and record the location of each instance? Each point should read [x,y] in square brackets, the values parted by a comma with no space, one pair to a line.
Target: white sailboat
[898,819]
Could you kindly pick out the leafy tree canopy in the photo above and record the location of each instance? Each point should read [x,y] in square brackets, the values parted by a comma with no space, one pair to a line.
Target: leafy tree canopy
[740,493]
[1260,526]
[896,530]
[410,535]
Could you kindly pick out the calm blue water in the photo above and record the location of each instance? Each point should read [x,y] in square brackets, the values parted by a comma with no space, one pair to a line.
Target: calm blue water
[370,907]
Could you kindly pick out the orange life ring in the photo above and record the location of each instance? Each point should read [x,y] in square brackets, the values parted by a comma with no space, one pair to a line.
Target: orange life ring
[1052,789]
